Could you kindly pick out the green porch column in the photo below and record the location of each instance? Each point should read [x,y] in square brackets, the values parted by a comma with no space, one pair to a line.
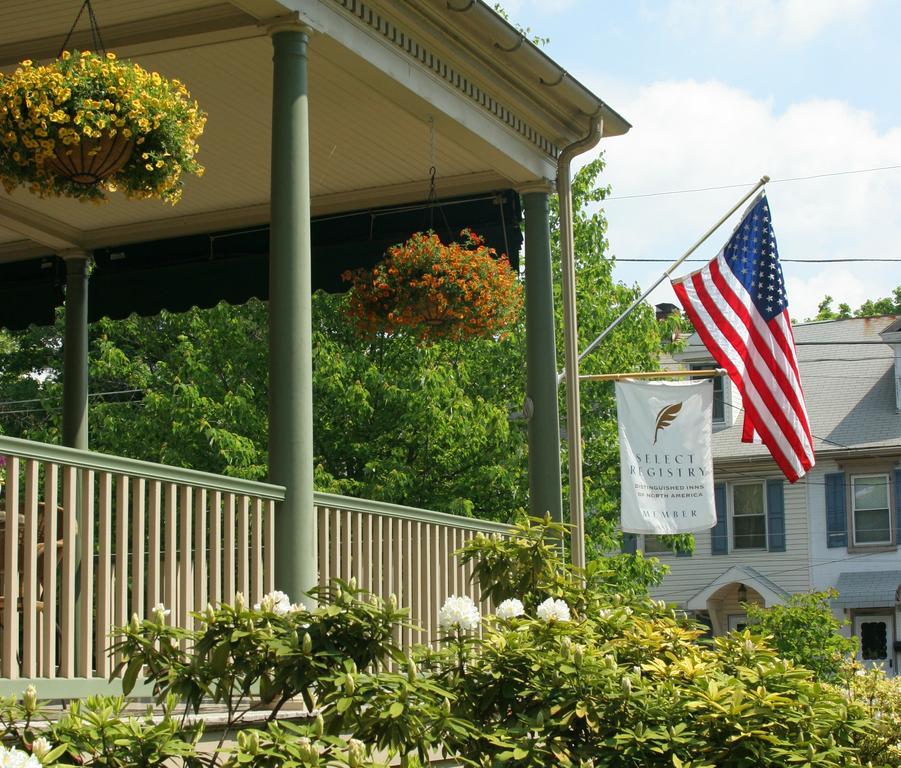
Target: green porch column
[541,359]
[290,316]
[75,352]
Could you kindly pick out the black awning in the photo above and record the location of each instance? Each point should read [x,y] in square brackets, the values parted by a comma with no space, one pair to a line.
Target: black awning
[202,270]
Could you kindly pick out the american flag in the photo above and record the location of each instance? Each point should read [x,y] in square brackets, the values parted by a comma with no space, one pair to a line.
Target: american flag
[738,306]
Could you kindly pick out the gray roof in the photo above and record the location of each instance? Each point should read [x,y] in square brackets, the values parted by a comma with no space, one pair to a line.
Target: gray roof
[847,372]
[873,589]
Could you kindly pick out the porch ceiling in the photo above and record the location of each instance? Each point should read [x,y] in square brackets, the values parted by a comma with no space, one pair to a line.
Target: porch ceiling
[373,90]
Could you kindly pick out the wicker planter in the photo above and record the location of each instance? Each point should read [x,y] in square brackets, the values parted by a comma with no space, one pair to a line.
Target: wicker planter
[91,160]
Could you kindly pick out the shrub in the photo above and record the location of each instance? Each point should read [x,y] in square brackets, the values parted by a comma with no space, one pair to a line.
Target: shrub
[571,676]
[805,631]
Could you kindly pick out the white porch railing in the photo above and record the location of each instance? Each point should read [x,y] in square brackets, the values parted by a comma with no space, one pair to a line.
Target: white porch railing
[397,550]
[87,539]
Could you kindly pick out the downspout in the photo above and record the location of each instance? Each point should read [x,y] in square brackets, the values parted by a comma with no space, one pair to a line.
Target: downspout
[571,336]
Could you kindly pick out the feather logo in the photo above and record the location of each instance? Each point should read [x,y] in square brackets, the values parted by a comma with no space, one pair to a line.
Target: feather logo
[666,417]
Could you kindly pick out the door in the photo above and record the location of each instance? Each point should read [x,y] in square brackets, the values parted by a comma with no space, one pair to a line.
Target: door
[876,635]
[738,622]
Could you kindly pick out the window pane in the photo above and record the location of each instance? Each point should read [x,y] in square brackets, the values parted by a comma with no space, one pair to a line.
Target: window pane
[748,499]
[871,492]
[719,402]
[872,526]
[750,532]
[653,545]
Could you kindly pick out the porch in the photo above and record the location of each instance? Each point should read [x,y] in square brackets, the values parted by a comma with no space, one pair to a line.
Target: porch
[319,111]
[90,539]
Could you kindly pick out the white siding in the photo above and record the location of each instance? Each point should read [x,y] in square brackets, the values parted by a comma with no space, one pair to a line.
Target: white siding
[789,569]
[828,564]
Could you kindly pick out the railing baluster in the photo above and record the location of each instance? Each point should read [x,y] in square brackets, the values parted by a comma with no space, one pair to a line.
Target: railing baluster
[322,532]
[85,662]
[9,664]
[367,564]
[67,582]
[244,546]
[200,556]
[215,547]
[51,554]
[256,543]
[185,561]
[29,566]
[104,574]
[138,544]
[334,546]
[228,550]
[122,555]
[269,551]
[409,579]
[154,546]
[170,553]
[346,541]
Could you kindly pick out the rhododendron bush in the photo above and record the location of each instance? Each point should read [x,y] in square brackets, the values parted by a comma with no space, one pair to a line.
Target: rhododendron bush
[567,674]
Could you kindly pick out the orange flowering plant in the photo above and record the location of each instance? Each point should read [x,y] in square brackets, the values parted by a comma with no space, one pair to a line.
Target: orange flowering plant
[435,291]
[85,124]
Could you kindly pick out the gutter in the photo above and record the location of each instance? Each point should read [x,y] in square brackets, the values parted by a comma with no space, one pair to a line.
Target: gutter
[497,33]
[571,334]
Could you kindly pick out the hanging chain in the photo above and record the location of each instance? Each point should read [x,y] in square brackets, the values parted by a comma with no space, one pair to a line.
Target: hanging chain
[96,39]
[433,172]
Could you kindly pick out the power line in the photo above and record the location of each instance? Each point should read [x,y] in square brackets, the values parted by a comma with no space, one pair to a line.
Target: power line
[737,186]
[793,261]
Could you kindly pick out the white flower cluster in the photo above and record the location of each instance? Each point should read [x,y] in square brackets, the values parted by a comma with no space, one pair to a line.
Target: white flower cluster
[276,602]
[510,609]
[553,610]
[160,612]
[10,757]
[459,613]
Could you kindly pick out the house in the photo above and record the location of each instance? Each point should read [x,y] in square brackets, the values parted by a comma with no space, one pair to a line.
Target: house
[838,527]
[328,121]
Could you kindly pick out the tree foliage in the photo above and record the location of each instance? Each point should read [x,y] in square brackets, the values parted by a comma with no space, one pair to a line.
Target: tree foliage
[425,425]
[888,305]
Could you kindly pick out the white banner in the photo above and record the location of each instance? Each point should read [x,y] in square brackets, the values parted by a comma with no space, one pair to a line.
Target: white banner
[666,464]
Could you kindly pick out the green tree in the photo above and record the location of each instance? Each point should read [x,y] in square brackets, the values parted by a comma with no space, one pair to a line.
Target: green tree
[432,426]
[870,308]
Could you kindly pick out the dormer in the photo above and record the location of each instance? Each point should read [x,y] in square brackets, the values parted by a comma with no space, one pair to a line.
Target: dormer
[892,336]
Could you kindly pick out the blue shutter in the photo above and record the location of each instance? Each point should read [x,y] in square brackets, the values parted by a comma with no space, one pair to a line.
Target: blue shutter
[719,534]
[629,544]
[775,516]
[836,516]
[898,506]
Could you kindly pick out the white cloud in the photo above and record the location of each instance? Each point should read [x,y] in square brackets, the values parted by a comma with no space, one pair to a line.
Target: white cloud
[790,21]
[690,134]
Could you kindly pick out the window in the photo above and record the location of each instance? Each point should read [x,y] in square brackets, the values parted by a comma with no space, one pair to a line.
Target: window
[654,546]
[871,519]
[748,516]
[719,399]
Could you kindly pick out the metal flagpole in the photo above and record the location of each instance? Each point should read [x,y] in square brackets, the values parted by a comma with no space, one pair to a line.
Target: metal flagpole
[626,312]
[578,535]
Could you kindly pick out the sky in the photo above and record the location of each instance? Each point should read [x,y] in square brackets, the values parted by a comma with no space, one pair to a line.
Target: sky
[721,92]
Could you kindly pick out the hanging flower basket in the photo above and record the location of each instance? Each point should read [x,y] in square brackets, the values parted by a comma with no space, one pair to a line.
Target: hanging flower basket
[85,125]
[436,290]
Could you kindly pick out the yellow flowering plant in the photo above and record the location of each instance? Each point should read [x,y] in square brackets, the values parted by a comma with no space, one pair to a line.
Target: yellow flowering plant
[87,124]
